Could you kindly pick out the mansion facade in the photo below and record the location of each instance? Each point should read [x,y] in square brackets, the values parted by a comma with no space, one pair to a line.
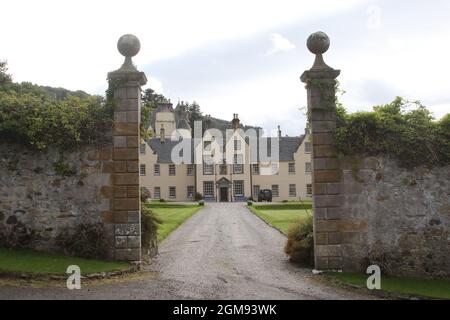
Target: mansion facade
[238,179]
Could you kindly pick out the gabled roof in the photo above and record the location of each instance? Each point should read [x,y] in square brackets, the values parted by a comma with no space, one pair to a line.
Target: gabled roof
[164,149]
[183,124]
[288,146]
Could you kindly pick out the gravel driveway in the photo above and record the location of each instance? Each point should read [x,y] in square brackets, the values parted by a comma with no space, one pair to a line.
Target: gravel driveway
[222,252]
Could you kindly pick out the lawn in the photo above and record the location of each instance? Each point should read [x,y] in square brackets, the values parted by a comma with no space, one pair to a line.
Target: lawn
[172,216]
[283,215]
[28,261]
[433,288]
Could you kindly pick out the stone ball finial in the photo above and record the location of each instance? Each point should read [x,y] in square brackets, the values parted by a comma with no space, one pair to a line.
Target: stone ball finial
[318,42]
[128,45]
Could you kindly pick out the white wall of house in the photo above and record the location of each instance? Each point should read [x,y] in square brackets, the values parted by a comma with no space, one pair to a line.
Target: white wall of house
[290,185]
[164,181]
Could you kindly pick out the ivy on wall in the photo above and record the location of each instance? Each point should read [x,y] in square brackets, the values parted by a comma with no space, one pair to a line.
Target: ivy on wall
[402,129]
[39,117]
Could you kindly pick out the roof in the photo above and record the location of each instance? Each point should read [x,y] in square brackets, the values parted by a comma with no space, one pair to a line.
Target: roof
[164,107]
[164,149]
[288,146]
[183,124]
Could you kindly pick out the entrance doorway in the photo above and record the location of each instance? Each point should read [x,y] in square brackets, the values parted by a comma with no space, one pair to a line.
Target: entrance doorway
[224,194]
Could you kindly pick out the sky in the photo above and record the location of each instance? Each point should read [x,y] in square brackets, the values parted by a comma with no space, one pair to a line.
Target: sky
[233,56]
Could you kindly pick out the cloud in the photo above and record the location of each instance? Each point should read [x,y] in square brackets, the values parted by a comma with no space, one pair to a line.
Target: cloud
[279,44]
[58,43]
[155,84]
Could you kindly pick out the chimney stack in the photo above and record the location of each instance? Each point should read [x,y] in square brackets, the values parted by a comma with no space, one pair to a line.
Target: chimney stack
[162,134]
[235,123]
[279,132]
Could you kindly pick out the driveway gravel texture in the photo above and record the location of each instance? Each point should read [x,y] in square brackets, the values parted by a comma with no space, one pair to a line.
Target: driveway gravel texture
[222,252]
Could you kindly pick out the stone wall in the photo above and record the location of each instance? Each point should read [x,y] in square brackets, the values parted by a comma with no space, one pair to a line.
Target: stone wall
[395,218]
[37,201]
[95,184]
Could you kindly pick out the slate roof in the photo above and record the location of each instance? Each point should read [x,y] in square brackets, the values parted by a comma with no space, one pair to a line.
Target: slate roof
[164,150]
[164,107]
[288,146]
[183,124]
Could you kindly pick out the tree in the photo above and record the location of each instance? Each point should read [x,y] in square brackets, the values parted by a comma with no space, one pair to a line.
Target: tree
[195,114]
[4,76]
[150,97]
[150,101]
[40,117]
[402,129]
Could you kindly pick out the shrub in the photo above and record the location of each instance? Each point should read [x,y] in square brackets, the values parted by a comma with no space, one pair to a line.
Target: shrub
[145,194]
[285,201]
[17,236]
[149,228]
[162,200]
[404,130]
[300,243]
[87,240]
[201,203]
[249,203]
[39,116]
[198,196]
[37,119]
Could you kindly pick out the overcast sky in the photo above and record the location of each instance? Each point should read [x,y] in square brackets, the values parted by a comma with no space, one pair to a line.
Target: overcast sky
[237,56]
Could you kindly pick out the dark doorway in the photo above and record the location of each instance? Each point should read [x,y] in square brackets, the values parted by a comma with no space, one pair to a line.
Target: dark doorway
[224,194]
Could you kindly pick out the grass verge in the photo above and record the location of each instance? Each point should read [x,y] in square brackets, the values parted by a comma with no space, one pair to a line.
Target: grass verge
[172,216]
[32,262]
[431,288]
[282,216]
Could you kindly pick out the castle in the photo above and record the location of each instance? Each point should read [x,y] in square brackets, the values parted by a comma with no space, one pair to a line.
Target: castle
[238,179]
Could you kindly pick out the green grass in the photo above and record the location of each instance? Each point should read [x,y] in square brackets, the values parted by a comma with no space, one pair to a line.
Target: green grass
[33,262]
[282,216]
[172,216]
[432,288]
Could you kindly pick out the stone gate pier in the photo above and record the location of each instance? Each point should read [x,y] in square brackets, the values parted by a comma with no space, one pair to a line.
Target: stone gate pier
[320,84]
[126,215]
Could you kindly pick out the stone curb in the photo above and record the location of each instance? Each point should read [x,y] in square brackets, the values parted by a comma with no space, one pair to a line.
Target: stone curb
[273,227]
[46,277]
[376,293]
